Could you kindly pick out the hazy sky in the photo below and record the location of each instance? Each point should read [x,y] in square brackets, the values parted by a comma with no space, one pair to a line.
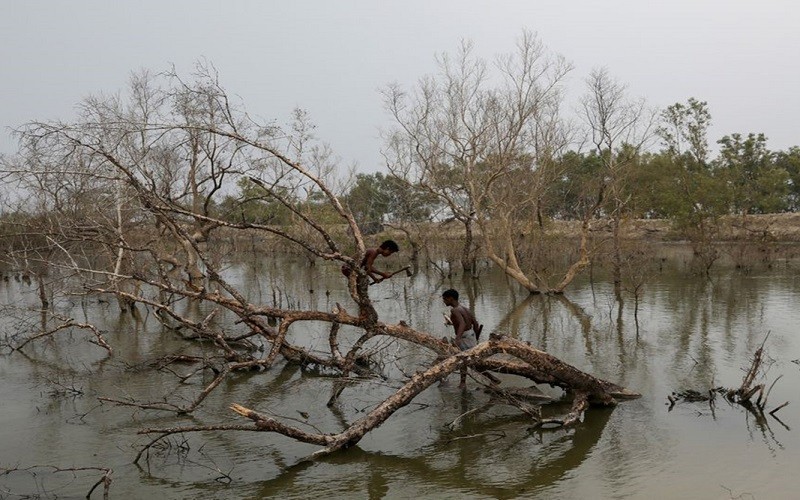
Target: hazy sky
[331,57]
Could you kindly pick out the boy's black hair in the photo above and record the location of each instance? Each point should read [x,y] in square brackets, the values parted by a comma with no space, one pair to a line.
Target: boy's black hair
[390,245]
[450,293]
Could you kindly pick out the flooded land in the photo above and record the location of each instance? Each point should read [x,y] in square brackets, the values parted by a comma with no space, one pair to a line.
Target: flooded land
[689,333]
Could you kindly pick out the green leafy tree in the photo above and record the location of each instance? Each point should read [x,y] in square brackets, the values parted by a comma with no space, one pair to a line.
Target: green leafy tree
[254,205]
[684,131]
[580,179]
[377,198]
[369,198]
[409,202]
[789,162]
[686,188]
[757,185]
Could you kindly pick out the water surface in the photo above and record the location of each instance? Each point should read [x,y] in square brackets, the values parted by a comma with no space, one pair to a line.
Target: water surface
[689,333]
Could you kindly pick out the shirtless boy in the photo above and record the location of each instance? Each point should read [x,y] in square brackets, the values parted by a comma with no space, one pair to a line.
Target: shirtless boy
[465,325]
[386,249]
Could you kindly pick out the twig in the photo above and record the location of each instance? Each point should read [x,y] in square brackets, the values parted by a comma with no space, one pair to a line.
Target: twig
[753,371]
[69,323]
[764,403]
[145,406]
[105,481]
[775,410]
[498,435]
[178,430]
[452,425]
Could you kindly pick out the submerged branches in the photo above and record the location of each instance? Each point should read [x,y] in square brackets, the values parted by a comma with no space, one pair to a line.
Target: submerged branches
[747,390]
[749,395]
[36,470]
[586,389]
[166,406]
[67,324]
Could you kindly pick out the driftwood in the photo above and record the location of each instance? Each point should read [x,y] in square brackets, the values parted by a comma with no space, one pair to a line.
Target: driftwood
[747,390]
[751,396]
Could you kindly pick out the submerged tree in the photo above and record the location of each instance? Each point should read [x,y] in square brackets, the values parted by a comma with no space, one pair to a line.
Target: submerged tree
[442,136]
[489,145]
[171,148]
[619,128]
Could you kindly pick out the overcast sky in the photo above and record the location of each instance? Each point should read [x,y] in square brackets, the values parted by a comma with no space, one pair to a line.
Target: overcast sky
[331,57]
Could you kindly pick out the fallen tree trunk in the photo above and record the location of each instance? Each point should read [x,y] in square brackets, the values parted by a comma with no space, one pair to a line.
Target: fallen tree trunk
[539,366]
[587,389]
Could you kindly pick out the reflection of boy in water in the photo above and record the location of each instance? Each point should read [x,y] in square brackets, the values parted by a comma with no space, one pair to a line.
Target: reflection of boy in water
[386,249]
[465,325]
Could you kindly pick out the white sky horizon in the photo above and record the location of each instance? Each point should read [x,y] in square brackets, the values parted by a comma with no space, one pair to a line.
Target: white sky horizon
[331,58]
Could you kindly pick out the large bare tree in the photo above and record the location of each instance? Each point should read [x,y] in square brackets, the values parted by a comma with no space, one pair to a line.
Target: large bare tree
[166,153]
[619,127]
[487,143]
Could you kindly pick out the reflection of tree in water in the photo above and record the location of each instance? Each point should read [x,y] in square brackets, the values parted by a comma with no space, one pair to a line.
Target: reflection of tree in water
[477,466]
[697,306]
[546,310]
[510,324]
[742,300]
[710,316]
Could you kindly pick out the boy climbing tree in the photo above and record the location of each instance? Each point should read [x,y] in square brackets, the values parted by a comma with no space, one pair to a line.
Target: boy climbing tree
[386,249]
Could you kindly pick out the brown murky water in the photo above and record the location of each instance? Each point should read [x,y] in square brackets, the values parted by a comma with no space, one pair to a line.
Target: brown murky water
[692,333]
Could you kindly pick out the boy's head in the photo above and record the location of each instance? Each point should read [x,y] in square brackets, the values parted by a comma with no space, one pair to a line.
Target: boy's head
[450,297]
[388,247]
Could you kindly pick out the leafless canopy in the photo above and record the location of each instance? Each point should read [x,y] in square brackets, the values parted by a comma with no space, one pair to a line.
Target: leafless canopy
[126,199]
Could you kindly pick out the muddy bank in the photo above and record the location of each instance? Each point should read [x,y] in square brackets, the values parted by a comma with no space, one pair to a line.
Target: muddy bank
[780,228]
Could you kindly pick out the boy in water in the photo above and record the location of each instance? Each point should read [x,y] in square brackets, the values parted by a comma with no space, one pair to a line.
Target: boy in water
[465,325]
[386,249]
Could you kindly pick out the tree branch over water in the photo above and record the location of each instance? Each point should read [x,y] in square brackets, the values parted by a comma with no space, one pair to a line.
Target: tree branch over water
[168,154]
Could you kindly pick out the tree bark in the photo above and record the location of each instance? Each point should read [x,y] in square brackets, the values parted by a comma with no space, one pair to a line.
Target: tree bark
[537,364]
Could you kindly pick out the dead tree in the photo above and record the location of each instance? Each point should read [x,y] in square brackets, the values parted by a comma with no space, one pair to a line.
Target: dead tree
[487,145]
[619,129]
[749,395]
[534,364]
[175,253]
